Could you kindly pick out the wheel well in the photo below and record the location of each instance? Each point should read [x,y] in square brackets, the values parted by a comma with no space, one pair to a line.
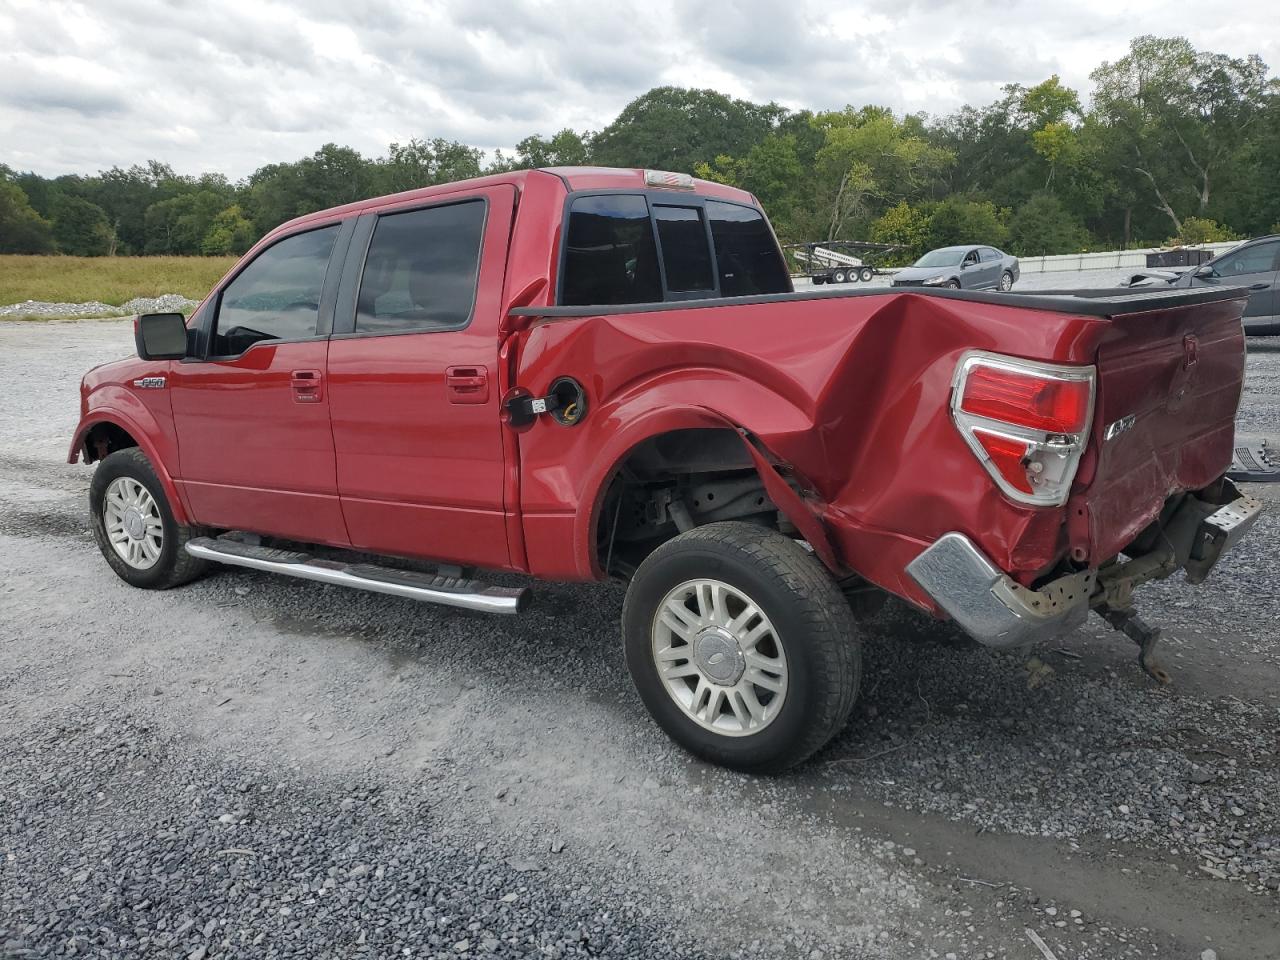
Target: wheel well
[672,483]
[105,438]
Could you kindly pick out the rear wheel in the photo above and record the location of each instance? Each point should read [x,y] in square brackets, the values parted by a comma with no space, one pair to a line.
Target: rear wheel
[838,277]
[1006,281]
[134,527]
[741,646]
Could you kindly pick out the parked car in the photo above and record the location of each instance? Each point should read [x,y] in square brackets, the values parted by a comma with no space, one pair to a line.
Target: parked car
[581,373]
[961,268]
[1254,266]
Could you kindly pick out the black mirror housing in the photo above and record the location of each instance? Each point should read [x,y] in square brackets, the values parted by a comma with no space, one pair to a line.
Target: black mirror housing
[160,336]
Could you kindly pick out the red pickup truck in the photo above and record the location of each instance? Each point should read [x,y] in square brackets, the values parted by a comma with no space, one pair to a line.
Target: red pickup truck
[587,373]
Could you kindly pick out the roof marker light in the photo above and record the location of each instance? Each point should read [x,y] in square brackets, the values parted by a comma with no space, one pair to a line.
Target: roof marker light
[665,178]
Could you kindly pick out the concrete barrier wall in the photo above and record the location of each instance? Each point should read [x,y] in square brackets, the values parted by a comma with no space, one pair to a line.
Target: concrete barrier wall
[1104,260]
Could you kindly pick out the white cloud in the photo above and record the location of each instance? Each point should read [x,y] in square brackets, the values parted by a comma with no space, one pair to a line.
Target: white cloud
[233,85]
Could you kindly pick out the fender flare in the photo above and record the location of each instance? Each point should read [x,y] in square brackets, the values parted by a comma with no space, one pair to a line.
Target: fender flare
[140,436]
[803,512]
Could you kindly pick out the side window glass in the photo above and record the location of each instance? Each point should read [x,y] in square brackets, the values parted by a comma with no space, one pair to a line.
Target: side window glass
[747,255]
[988,254]
[277,296]
[610,256]
[686,255]
[420,272]
[1259,259]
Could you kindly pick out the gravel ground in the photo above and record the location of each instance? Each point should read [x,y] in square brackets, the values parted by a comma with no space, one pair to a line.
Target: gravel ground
[252,766]
[43,310]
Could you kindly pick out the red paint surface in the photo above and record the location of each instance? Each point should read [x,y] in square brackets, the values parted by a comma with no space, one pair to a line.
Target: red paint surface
[850,395]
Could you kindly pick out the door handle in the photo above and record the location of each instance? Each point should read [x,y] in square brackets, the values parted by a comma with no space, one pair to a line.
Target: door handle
[467,384]
[307,386]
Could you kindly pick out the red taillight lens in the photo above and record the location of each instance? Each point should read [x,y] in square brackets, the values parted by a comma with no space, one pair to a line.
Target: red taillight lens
[1026,399]
[1008,456]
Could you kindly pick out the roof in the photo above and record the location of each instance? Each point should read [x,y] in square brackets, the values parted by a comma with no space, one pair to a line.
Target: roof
[573,178]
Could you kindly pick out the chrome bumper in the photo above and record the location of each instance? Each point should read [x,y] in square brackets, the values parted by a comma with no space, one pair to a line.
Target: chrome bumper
[989,605]
[999,612]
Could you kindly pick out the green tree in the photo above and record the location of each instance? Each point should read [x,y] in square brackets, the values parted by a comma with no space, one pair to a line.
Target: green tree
[422,163]
[1043,226]
[22,230]
[906,225]
[81,228]
[671,128]
[773,172]
[1201,230]
[959,221]
[332,176]
[1181,114]
[230,232]
[568,148]
[869,160]
[178,225]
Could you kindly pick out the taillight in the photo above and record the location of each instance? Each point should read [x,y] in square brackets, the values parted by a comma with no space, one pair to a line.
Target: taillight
[1027,422]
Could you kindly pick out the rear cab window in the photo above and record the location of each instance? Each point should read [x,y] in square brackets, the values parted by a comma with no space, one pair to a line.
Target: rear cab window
[650,247]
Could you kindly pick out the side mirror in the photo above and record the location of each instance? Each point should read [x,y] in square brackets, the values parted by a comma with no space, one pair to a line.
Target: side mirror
[1206,271]
[160,336]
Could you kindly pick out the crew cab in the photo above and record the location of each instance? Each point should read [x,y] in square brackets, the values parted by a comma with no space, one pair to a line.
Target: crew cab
[585,373]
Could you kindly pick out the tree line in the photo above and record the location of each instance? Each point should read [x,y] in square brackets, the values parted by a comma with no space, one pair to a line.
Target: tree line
[1175,145]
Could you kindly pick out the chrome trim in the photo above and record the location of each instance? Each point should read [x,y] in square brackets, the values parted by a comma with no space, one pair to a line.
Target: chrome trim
[503,600]
[989,605]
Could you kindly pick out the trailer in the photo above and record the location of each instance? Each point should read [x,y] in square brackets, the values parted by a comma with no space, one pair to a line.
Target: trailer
[839,261]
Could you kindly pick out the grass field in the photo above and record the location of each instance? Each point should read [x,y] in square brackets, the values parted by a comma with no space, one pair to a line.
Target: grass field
[113,280]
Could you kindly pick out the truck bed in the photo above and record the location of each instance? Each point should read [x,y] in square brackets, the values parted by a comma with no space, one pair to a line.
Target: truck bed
[1103,302]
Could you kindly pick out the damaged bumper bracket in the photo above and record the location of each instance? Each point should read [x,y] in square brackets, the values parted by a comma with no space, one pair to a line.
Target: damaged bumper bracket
[999,612]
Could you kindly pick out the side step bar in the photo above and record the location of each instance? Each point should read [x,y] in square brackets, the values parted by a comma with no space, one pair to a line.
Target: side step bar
[449,591]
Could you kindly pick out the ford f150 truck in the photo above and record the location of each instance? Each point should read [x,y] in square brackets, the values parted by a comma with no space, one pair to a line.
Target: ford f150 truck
[586,373]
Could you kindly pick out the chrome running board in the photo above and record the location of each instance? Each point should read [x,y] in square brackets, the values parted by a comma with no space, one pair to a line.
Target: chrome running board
[449,591]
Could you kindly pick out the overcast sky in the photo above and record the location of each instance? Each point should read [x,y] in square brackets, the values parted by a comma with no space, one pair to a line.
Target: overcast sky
[229,86]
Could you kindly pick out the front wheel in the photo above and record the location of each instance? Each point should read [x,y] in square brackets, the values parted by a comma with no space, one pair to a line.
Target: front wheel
[741,646]
[953,284]
[134,525]
[1006,281]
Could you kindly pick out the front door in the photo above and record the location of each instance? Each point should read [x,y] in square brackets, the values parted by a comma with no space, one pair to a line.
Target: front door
[255,447]
[413,380]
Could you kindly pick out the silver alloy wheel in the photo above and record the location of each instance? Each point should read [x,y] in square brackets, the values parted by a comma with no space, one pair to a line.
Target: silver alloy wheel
[132,521]
[719,658]
[1006,281]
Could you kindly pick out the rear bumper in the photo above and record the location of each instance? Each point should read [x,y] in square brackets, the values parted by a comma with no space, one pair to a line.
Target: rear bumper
[999,612]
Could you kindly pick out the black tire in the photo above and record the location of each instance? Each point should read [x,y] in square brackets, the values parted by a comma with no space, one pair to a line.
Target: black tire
[814,626]
[1006,281]
[865,274]
[174,566]
[953,284]
[838,277]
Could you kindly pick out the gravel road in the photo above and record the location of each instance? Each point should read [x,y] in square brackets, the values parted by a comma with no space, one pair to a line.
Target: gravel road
[257,767]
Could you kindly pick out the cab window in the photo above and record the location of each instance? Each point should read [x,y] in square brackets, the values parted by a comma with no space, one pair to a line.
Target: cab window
[686,255]
[610,256]
[747,255]
[420,272]
[277,296]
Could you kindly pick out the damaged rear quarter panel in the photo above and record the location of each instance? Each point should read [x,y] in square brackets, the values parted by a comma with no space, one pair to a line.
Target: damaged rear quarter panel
[852,393]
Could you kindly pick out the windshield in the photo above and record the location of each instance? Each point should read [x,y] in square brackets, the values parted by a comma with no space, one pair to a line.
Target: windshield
[940,258]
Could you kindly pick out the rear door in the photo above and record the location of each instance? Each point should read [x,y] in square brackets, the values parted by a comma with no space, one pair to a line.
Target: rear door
[989,266]
[413,379]
[252,411]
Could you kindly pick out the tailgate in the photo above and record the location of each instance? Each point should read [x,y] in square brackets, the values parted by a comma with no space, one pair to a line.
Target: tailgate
[1169,382]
